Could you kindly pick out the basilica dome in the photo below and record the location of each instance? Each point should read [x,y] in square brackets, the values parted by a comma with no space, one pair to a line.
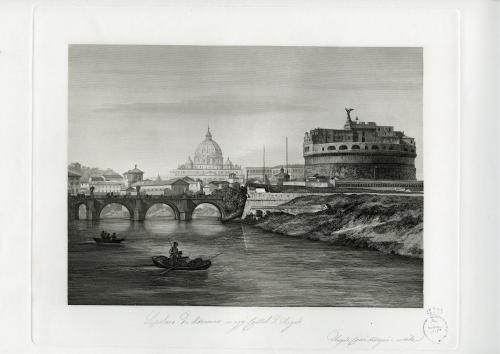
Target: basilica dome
[208,153]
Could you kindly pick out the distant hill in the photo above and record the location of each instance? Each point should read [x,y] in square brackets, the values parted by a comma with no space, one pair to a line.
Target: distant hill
[86,171]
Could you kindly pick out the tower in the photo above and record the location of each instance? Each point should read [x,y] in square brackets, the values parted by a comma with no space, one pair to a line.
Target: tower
[134,175]
[264,163]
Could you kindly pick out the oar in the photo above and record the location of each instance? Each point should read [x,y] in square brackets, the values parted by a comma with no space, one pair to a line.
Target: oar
[217,255]
[168,270]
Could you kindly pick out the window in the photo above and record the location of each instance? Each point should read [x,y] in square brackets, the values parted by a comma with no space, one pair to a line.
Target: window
[342,147]
[331,148]
[374,147]
[355,147]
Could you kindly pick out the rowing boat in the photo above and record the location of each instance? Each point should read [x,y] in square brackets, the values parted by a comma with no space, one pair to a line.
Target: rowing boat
[108,240]
[195,264]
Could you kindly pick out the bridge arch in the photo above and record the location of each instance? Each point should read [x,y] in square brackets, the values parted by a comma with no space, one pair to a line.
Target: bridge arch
[167,203]
[81,213]
[105,204]
[76,210]
[222,213]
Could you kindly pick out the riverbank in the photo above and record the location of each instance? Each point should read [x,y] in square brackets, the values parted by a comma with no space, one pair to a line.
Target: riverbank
[386,223]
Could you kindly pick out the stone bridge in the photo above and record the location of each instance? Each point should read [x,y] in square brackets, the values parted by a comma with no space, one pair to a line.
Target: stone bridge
[183,206]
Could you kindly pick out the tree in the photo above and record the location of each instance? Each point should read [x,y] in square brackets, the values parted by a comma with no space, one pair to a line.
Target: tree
[234,198]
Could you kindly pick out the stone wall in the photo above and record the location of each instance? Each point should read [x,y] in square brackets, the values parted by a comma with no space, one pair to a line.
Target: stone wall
[270,202]
[362,171]
[380,165]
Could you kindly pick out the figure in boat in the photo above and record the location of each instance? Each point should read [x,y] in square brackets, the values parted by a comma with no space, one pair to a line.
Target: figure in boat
[174,254]
[106,237]
[178,262]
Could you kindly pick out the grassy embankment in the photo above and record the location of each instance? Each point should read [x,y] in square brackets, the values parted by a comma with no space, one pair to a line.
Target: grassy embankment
[387,223]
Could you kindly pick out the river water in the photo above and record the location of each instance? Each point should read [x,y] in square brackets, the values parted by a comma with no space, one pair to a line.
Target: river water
[256,268]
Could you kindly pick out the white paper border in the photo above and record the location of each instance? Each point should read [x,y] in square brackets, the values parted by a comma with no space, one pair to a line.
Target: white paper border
[53,322]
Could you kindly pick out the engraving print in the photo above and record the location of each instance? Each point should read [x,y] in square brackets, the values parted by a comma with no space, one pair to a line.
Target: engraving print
[245,176]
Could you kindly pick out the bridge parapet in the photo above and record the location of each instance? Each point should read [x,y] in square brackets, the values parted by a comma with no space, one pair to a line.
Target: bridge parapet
[138,206]
[145,197]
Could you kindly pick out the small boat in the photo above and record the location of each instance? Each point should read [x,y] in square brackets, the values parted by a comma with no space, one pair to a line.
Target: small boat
[108,240]
[184,264]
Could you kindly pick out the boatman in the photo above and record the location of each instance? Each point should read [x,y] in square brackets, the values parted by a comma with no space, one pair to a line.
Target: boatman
[174,254]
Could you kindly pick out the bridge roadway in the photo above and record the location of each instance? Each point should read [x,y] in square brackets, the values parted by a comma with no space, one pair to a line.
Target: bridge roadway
[138,206]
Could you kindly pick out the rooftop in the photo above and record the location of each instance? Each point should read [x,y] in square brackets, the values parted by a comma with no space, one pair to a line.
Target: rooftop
[128,189]
[160,183]
[355,131]
[188,179]
[112,174]
[101,183]
[152,183]
[294,165]
[260,167]
[135,170]
[218,183]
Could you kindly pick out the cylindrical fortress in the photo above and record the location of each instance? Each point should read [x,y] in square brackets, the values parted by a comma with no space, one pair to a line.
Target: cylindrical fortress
[359,151]
[361,164]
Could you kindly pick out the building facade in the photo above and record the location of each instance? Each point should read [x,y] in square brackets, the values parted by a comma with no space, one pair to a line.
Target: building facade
[110,182]
[208,164]
[295,171]
[359,151]
[193,185]
[273,175]
[133,176]
[103,187]
[179,186]
[162,187]
[114,177]
[73,183]
[257,174]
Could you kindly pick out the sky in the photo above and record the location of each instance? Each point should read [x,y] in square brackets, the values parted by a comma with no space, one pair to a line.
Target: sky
[151,105]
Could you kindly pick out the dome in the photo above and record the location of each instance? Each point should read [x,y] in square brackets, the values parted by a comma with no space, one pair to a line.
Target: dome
[208,152]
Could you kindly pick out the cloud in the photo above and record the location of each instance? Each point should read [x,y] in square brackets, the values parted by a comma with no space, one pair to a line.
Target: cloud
[213,105]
